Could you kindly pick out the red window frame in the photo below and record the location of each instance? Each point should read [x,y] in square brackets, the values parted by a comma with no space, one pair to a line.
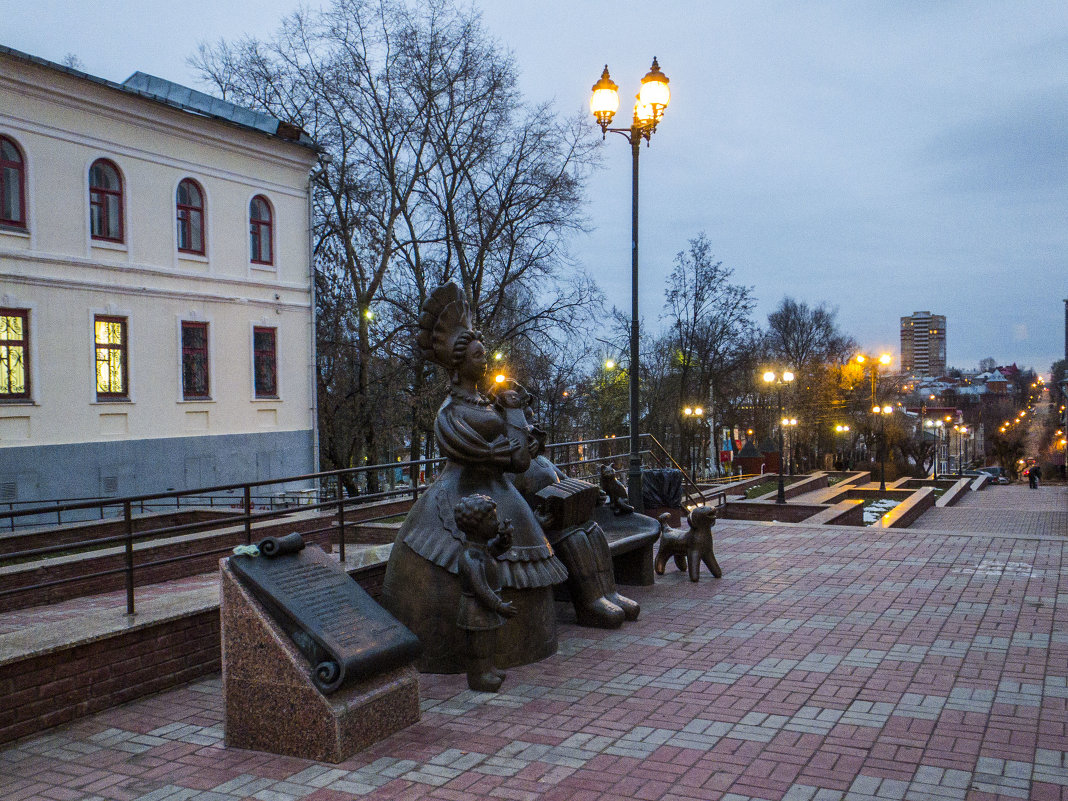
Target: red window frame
[7,343]
[99,197]
[196,377]
[187,213]
[265,361]
[106,350]
[19,167]
[261,230]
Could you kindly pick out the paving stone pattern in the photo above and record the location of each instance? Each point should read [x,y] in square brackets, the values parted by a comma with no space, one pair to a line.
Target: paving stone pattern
[829,664]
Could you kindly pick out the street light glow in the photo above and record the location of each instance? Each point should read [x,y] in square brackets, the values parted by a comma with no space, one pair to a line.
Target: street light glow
[653,98]
[604,102]
[654,91]
[769,376]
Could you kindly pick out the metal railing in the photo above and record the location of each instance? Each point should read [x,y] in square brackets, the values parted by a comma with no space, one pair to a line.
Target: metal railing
[321,500]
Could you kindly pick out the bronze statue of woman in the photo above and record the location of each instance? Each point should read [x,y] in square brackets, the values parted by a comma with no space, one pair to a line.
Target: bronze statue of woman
[481,443]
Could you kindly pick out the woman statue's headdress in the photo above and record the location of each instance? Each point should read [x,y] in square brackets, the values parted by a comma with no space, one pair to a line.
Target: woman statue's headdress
[445,318]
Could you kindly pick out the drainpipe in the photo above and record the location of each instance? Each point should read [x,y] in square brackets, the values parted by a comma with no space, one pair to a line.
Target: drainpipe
[314,351]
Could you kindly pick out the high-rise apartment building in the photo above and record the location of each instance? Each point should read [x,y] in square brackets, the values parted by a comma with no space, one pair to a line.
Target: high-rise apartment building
[923,343]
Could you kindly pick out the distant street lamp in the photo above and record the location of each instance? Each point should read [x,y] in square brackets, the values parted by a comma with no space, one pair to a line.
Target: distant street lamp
[652,98]
[791,422]
[882,412]
[961,431]
[843,430]
[884,359]
[692,417]
[779,381]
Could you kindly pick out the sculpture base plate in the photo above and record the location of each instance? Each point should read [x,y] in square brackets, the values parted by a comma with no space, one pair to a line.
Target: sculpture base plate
[270,701]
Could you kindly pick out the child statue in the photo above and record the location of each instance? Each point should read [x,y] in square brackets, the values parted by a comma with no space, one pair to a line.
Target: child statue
[482,610]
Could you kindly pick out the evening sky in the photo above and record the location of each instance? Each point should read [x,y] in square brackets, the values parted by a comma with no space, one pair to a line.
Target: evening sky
[882,157]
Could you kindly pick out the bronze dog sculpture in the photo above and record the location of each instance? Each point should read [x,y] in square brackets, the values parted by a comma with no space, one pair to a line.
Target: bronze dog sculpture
[689,546]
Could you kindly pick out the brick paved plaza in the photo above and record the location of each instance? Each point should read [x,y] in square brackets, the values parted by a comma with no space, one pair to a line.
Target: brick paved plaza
[828,663]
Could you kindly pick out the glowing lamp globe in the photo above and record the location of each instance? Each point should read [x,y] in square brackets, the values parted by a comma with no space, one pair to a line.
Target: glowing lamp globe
[644,113]
[654,91]
[604,102]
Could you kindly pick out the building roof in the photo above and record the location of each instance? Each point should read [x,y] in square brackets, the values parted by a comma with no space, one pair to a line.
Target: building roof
[182,98]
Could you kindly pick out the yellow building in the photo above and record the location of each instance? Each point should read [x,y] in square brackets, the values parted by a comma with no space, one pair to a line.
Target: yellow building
[156,306]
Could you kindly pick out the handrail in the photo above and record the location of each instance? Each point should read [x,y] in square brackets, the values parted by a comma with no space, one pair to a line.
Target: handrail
[244,510]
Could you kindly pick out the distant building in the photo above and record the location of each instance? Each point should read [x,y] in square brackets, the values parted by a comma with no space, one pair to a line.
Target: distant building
[923,344]
[156,315]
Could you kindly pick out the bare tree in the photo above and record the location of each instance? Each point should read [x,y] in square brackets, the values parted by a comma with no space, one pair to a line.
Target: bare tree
[807,340]
[436,172]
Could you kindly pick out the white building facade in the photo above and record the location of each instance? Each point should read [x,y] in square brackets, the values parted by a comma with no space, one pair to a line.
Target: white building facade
[156,301]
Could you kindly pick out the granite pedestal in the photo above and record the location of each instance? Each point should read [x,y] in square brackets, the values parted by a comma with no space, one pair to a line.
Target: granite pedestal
[271,703]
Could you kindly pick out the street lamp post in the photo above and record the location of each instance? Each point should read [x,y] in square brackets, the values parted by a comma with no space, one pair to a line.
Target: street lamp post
[692,418]
[779,381]
[884,360]
[936,427]
[653,97]
[844,431]
[791,422]
[961,431]
[882,412]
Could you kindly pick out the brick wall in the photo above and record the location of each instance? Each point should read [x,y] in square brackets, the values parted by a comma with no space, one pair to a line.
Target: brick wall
[42,691]
[762,510]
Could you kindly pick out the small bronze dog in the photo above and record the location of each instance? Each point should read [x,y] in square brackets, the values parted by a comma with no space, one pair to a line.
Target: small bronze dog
[689,546]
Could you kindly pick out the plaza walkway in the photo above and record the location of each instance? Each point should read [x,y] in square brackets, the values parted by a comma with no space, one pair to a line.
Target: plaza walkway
[827,663]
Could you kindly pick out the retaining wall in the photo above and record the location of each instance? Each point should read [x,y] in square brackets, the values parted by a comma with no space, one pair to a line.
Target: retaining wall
[57,685]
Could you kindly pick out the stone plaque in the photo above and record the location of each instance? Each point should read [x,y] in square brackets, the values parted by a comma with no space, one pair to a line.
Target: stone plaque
[339,628]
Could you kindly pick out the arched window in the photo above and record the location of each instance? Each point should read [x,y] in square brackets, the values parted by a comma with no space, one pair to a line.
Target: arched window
[261,231]
[190,203]
[105,201]
[12,184]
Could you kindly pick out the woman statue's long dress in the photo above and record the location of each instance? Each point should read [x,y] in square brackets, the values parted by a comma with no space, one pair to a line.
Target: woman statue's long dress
[422,586]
